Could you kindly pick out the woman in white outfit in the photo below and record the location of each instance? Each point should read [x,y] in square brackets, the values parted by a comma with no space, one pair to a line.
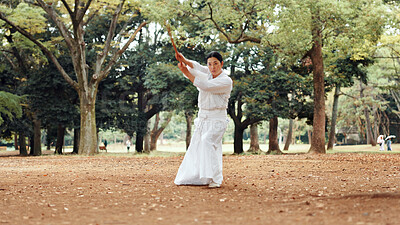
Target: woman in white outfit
[202,164]
[381,142]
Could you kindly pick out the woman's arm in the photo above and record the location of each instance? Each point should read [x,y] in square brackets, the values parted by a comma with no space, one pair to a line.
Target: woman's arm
[185,71]
[217,85]
[181,59]
[193,65]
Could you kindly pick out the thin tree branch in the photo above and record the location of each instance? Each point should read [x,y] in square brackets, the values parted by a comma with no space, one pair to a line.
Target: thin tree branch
[123,30]
[9,60]
[154,110]
[77,3]
[72,14]
[249,121]
[241,38]
[61,26]
[102,56]
[49,54]
[82,13]
[353,97]
[16,54]
[90,17]
[114,58]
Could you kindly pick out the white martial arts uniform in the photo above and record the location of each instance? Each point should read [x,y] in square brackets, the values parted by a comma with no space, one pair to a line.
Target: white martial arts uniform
[202,163]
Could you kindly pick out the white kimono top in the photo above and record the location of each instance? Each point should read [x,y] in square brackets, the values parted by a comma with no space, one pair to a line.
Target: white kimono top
[213,93]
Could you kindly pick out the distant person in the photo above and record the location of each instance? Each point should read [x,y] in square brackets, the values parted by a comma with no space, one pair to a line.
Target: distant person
[105,143]
[128,144]
[381,143]
[389,144]
[202,164]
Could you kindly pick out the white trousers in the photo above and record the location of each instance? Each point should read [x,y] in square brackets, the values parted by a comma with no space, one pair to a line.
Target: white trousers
[202,163]
[382,146]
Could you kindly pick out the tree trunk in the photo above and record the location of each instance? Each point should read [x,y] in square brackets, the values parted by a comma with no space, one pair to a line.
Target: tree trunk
[48,140]
[147,138]
[254,142]
[60,139]
[98,141]
[237,115]
[37,145]
[22,145]
[76,141]
[140,133]
[16,141]
[377,121]
[139,142]
[289,136]
[31,142]
[273,146]
[85,85]
[189,121]
[370,139]
[88,136]
[335,106]
[238,140]
[156,131]
[147,143]
[318,137]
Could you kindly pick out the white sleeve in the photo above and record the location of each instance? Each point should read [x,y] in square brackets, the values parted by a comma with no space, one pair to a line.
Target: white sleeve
[198,67]
[197,73]
[218,85]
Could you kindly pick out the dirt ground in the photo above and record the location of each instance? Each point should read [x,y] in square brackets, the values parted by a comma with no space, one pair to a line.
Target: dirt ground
[342,188]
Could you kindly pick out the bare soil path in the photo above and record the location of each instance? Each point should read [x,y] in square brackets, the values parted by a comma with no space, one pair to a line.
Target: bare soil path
[345,188]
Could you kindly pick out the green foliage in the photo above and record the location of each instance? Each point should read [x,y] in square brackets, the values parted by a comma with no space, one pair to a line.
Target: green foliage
[350,27]
[10,106]
[266,89]
[166,81]
[51,98]
[345,70]
[29,18]
[146,82]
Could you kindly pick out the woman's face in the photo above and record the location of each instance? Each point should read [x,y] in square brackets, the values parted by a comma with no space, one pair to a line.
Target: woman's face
[215,66]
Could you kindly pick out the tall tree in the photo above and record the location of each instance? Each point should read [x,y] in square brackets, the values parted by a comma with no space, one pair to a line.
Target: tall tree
[254,141]
[345,70]
[79,14]
[289,135]
[262,91]
[166,84]
[23,58]
[158,129]
[146,86]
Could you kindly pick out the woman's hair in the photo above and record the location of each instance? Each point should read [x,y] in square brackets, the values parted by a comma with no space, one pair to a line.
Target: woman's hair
[214,54]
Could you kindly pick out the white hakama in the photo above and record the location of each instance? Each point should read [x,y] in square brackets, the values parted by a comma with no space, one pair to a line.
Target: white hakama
[202,163]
